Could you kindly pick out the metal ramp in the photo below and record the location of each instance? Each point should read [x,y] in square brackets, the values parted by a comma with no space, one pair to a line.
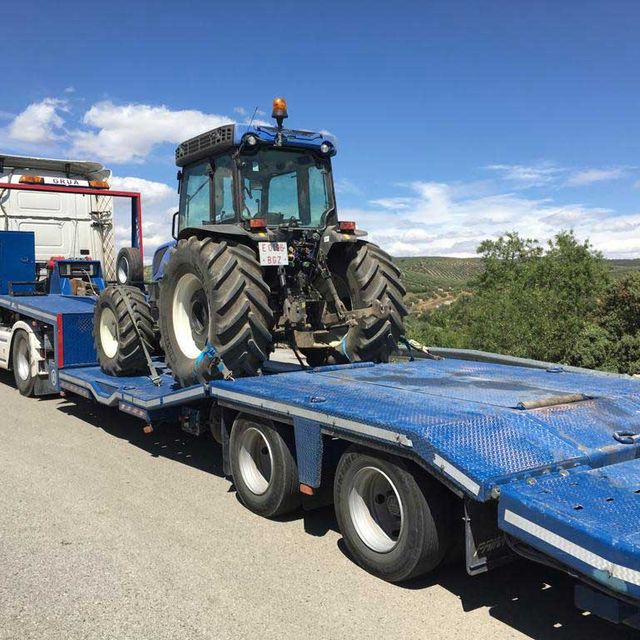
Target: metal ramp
[589,519]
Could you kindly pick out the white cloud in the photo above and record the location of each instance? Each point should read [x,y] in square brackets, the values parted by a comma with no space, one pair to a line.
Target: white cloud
[347,187]
[128,133]
[527,175]
[240,110]
[439,219]
[159,202]
[40,123]
[152,192]
[589,176]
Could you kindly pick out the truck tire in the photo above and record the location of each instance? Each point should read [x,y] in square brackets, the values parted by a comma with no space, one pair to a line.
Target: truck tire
[371,276]
[21,363]
[212,294]
[395,523]
[129,267]
[263,466]
[118,346]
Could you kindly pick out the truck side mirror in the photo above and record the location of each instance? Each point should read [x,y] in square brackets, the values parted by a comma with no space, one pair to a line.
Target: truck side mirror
[174,226]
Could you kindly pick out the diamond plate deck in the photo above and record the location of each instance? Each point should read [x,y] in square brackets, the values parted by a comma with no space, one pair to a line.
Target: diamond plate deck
[589,520]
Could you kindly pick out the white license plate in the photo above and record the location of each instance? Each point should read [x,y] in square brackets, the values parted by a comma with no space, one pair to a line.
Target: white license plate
[273,254]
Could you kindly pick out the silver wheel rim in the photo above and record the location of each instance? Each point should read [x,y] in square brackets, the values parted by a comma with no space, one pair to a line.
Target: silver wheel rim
[188,293]
[23,361]
[255,461]
[108,332]
[376,509]
[123,271]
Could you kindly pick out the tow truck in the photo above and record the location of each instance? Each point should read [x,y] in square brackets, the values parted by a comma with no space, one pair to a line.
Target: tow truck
[521,458]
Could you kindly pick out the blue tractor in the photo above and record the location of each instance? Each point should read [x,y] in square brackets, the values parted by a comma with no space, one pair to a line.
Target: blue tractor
[260,257]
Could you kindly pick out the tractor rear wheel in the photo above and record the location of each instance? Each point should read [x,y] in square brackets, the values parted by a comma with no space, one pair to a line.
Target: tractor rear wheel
[372,277]
[118,346]
[212,294]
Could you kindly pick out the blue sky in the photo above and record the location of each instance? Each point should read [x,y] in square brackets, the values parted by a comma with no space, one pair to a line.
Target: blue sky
[455,121]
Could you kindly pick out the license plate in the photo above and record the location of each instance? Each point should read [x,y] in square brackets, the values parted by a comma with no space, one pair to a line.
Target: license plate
[273,254]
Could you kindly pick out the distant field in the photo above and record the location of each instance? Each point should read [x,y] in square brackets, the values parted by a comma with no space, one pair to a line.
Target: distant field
[432,281]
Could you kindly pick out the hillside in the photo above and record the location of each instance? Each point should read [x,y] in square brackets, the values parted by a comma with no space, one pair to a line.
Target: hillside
[432,281]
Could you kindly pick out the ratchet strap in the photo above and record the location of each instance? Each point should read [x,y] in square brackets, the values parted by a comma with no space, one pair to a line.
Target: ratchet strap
[155,377]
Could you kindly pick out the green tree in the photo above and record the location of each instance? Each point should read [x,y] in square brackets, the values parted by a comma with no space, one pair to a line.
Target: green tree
[531,300]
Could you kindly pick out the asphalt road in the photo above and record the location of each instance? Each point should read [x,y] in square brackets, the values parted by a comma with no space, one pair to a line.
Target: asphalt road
[108,533]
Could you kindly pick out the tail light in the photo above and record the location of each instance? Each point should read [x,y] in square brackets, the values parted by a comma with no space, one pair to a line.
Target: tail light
[258,223]
[347,227]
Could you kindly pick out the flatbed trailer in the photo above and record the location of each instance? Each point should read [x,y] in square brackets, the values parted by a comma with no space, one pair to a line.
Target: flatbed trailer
[544,461]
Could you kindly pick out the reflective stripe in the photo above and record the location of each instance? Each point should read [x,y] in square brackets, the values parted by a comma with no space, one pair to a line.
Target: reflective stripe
[318,416]
[456,474]
[571,548]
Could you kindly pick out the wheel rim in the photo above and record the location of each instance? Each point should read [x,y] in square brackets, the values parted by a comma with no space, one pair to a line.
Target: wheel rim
[190,315]
[376,509]
[108,332]
[255,461]
[123,271]
[23,361]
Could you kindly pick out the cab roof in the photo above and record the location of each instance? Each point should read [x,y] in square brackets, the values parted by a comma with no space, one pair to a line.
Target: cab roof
[230,135]
[83,168]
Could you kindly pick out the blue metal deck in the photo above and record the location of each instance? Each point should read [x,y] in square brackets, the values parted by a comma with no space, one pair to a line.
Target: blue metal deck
[460,417]
[46,308]
[588,520]
[464,421]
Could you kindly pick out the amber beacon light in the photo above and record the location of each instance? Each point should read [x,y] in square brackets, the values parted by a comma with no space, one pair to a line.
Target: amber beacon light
[279,109]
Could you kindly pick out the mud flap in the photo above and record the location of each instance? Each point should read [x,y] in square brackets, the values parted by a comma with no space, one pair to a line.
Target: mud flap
[485,545]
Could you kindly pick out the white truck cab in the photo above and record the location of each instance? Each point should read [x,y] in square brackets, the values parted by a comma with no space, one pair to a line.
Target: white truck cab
[66,222]
[68,207]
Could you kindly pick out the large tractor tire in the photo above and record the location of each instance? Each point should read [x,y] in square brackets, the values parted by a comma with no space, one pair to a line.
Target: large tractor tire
[371,276]
[212,294]
[118,346]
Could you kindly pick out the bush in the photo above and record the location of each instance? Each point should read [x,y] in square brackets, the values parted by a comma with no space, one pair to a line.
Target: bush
[530,301]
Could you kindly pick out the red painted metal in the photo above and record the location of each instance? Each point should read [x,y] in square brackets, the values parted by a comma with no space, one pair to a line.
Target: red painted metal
[136,201]
[60,341]
[136,204]
[85,190]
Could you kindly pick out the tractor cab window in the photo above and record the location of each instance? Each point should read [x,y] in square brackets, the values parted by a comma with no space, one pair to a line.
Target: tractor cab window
[286,187]
[194,198]
[223,190]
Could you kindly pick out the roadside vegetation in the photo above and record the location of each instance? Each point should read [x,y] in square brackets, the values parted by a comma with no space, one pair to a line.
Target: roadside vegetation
[561,302]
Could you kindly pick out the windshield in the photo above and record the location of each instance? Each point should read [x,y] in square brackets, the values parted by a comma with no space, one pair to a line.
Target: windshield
[286,187]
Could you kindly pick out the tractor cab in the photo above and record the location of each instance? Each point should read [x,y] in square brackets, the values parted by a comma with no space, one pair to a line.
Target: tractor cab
[256,178]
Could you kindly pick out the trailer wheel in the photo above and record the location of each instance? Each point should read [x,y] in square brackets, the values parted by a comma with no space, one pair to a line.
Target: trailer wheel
[395,523]
[21,363]
[116,339]
[129,267]
[263,467]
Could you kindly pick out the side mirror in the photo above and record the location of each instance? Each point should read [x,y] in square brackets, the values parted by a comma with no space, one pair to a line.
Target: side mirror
[174,225]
